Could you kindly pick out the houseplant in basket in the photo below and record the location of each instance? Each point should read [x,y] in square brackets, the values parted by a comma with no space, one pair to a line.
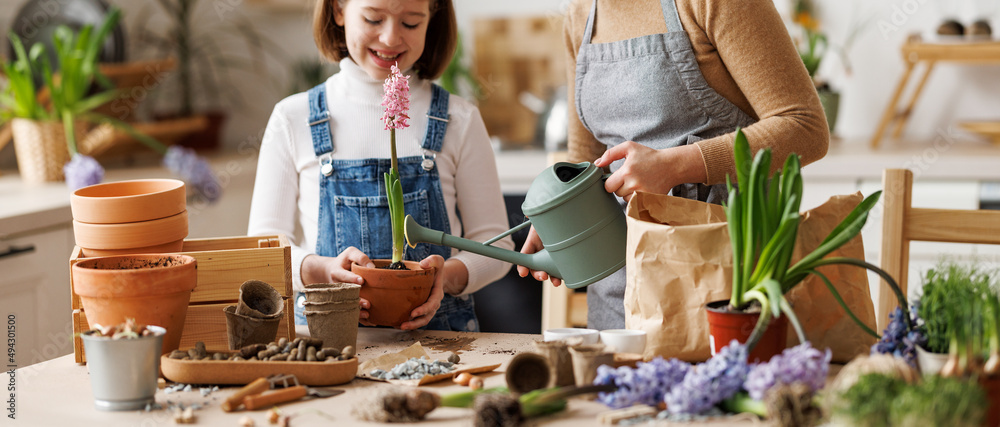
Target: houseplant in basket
[399,286]
[51,116]
[763,218]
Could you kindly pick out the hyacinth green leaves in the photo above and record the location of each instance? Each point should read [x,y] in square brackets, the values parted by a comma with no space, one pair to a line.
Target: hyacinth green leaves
[763,220]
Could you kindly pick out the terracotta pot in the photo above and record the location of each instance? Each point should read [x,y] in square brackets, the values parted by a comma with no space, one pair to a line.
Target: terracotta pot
[132,237]
[725,326]
[991,385]
[128,201]
[393,294]
[152,289]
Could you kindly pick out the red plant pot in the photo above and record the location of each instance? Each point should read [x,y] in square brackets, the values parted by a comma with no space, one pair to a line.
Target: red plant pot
[725,325]
[393,294]
[991,385]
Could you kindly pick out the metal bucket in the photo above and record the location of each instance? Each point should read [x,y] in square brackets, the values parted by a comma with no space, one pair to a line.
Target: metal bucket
[123,372]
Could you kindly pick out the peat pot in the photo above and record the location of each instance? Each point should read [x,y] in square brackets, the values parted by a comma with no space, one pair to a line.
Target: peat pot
[153,289]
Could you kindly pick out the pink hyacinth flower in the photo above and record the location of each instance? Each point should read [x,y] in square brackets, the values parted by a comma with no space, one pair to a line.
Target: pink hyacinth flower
[396,100]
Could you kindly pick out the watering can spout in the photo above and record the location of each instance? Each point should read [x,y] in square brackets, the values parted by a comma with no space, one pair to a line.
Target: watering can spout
[415,233]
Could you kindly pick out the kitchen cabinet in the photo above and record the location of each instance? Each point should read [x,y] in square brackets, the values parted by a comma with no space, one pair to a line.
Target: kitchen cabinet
[34,292]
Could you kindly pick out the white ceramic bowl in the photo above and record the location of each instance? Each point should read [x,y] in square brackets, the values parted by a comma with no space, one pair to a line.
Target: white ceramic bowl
[624,340]
[589,336]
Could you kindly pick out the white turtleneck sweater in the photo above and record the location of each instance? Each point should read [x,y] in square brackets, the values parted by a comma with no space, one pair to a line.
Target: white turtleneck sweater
[286,192]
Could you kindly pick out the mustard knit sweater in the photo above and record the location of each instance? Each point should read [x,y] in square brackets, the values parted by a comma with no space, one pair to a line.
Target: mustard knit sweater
[746,55]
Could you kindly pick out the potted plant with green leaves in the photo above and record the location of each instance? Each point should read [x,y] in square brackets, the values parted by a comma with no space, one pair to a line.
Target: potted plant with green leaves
[52,115]
[395,286]
[762,215]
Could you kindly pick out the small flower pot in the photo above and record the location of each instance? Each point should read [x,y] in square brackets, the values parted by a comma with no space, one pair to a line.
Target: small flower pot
[123,372]
[930,363]
[586,359]
[152,289]
[331,292]
[259,300]
[128,201]
[394,294]
[560,362]
[725,326]
[337,328]
[245,330]
[527,372]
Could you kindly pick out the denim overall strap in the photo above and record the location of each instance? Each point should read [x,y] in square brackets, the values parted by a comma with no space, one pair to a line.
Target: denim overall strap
[613,86]
[437,119]
[353,207]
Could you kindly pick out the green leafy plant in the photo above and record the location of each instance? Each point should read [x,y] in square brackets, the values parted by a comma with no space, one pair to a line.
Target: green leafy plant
[763,221]
[882,400]
[70,95]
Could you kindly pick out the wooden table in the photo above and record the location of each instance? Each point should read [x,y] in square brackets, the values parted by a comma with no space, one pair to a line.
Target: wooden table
[57,392]
[915,51]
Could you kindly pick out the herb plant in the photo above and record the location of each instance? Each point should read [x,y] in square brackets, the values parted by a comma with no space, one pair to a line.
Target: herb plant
[763,220]
[397,104]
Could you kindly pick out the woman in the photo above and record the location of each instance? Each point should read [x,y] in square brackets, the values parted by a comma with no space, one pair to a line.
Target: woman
[660,88]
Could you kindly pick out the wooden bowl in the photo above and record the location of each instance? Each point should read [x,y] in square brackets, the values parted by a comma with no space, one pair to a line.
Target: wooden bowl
[132,235]
[128,201]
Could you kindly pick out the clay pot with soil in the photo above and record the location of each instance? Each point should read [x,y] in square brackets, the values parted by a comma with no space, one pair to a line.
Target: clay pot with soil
[394,294]
[255,317]
[152,289]
[334,318]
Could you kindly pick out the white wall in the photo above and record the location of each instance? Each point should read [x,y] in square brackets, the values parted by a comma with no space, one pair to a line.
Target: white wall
[954,93]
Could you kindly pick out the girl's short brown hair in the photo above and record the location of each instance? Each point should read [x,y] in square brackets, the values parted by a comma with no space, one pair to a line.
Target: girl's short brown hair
[439,46]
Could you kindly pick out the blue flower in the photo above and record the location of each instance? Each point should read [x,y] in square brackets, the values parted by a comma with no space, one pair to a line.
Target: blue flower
[898,341]
[646,384]
[801,363]
[194,170]
[711,382]
[82,171]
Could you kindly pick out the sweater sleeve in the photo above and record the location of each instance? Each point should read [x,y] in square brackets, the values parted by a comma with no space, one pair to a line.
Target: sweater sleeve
[581,144]
[480,203]
[757,51]
[273,205]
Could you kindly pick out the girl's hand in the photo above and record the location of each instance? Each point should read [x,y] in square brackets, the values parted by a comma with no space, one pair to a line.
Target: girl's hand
[422,315]
[321,269]
[650,170]
[531,245]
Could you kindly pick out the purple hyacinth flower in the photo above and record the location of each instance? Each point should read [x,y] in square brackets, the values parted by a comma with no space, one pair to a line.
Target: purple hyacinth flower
[646,384]
[194,170]
[82,171]
[898,341]
[711,382]
[801,363]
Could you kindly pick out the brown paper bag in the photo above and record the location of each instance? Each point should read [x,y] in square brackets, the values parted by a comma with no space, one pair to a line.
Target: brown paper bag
[679,258]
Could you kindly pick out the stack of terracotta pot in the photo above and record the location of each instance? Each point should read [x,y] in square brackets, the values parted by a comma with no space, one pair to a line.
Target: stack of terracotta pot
[332,310]
[130,217]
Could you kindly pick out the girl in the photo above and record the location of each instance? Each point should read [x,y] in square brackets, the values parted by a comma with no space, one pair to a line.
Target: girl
[324,152]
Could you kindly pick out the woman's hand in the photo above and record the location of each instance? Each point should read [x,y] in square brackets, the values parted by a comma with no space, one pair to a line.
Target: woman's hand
[650,170]
[321,269]
[422,315]
[531,245]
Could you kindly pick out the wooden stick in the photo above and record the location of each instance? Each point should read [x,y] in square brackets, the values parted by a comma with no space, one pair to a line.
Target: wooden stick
[265,400]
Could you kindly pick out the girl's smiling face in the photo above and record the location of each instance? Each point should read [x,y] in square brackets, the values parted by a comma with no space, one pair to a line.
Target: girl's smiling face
[381,33]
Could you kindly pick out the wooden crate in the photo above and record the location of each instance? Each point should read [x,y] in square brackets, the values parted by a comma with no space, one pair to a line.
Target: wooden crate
[204,322]
[223,265]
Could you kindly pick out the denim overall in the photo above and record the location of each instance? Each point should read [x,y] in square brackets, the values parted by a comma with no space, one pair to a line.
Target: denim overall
[649,90]
[354,209]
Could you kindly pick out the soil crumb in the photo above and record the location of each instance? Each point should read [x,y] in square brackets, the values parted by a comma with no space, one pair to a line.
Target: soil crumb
[454,345]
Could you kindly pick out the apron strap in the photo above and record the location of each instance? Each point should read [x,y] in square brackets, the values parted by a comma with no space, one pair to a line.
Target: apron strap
[670,16]
[437,119]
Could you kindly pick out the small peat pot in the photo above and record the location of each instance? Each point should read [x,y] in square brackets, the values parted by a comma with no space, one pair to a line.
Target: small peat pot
[123,372]
[528,372]
[245,330]
[259,300]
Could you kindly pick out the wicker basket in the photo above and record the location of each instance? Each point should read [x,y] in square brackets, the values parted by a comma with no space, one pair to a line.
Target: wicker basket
[41,150]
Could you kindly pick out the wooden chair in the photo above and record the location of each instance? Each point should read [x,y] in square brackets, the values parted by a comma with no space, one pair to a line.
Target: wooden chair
[902,224]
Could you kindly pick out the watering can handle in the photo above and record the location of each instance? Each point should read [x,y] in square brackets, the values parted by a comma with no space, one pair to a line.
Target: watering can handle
[508,232]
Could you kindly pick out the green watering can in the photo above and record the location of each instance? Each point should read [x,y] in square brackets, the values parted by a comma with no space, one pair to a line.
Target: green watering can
[581,225]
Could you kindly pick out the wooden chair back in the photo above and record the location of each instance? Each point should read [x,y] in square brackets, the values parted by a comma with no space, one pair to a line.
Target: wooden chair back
[902,224]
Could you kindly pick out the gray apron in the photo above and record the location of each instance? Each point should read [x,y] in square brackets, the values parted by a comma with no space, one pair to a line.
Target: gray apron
[649,90]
